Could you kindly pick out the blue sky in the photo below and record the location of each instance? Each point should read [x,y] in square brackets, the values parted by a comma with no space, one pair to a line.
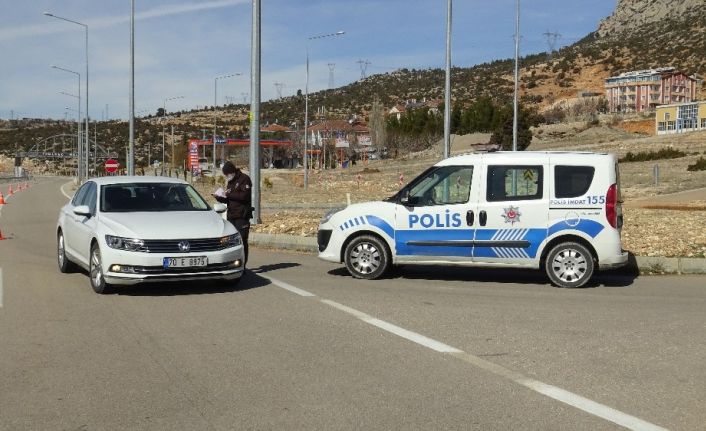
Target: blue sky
[182,45]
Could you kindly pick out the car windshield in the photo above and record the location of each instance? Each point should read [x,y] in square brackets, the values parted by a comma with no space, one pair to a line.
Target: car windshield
[132,197]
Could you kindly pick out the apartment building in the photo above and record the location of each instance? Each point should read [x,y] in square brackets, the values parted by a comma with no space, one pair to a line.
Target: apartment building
[680,118]
[644,90]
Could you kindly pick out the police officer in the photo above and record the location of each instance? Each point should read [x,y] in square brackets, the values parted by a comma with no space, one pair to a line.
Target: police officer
[238,197]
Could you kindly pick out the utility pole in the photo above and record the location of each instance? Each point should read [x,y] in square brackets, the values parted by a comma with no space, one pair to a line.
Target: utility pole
[255,86]
[245,97]
[517,76]
[331,84]
[363,67]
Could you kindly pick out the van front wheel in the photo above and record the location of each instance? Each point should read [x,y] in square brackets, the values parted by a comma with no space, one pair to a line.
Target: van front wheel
[569,264]
[367,257]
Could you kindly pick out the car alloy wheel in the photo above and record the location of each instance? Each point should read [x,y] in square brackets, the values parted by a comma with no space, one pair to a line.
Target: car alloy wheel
[569,265]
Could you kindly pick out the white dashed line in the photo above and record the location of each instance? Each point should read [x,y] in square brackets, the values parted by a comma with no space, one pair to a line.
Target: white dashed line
[556,393]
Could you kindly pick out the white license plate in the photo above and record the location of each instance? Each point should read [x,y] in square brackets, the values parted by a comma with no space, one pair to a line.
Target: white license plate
[185,262]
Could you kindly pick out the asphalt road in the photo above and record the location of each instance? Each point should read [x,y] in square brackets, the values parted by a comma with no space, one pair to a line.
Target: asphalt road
[301,345]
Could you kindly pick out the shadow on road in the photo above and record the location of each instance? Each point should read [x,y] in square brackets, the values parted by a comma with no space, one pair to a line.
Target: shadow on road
[615,278]
[248,281]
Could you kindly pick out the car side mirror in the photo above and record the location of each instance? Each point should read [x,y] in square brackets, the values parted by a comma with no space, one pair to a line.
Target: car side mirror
[220,208]
[83,210]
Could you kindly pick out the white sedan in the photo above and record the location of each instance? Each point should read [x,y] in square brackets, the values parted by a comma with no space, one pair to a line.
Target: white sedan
[127,230]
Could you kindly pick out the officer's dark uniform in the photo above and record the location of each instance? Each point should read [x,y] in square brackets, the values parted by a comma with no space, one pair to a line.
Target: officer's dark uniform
[238,197]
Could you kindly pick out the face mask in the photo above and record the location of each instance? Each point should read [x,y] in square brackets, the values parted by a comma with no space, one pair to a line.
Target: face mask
[230,177]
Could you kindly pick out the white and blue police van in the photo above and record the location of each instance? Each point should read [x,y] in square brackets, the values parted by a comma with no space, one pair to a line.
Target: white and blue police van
[557,211]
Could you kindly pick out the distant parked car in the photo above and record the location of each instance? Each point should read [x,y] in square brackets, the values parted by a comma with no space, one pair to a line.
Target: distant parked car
[128,230]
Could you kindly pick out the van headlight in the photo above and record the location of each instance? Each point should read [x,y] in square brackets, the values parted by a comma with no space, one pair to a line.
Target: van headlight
[231,240]
[330,214]
[129,244]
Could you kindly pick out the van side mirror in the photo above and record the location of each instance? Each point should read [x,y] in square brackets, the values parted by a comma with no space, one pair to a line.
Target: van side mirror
[220,208]
[404,197]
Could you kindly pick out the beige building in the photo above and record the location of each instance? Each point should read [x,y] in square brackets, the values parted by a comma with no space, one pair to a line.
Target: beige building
[680,118]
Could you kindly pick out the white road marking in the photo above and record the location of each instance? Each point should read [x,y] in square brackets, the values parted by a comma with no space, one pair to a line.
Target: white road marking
[289,287]
[554,392]
[394,329]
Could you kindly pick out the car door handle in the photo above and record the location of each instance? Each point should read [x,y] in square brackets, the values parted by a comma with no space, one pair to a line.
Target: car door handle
[470,216]
[482,218]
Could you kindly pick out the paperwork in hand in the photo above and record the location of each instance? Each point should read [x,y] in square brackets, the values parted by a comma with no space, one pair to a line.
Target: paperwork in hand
[220,192]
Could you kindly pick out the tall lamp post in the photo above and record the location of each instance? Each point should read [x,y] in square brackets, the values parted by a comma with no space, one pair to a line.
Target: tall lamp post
[447,86]
[164,114]
[515,103]
[215,111]
[85,26]
[306,104]
[79,172]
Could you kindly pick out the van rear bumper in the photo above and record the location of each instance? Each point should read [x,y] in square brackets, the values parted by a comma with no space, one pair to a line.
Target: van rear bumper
[614,261]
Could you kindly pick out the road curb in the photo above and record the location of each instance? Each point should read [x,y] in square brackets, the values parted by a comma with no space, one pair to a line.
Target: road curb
[643,264]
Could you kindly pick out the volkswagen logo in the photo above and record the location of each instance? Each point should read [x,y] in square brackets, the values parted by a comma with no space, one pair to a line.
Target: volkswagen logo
[184,246]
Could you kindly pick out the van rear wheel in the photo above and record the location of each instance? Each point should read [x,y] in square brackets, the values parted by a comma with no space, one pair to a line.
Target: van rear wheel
[367,257]
[569,265]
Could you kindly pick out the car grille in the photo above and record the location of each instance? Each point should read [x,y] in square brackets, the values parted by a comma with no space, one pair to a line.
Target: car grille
[172,245]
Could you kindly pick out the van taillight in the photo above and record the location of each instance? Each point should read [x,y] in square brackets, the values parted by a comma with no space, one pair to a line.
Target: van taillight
[611,204]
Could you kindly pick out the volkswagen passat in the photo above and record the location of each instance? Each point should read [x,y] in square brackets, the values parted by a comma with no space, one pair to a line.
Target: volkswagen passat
[127,230]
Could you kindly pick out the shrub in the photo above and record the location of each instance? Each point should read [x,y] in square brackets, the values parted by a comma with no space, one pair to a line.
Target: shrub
[700,165]
[664,153]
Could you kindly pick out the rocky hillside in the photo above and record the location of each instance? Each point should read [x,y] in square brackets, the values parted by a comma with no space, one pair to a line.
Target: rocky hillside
[633,15]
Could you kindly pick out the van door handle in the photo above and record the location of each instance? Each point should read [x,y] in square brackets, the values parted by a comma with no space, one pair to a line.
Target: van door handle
[470,216]
[482,218]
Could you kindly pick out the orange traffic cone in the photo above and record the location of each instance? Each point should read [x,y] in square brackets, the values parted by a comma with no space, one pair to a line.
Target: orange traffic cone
[18,187]
[9,191]
[2,237]
[26,186]
[2,199]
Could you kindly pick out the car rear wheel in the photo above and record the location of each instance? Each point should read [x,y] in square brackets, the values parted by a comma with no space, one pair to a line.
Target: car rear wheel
[65,265]
[367,257]
[569,265]
[95,272]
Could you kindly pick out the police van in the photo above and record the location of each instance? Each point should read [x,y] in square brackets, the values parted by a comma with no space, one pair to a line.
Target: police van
[557,211]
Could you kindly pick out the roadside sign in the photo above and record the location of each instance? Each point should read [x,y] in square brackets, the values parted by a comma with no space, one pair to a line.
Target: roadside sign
[111,166]
[528,175]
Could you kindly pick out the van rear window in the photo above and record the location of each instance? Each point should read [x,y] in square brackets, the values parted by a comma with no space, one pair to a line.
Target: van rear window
[572,181]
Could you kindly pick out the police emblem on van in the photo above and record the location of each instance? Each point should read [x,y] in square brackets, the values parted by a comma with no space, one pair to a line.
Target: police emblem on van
[512,215]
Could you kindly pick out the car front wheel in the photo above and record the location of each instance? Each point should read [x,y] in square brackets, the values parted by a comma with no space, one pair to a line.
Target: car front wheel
[569,264]
[367,257]
[95,271]
[65,265]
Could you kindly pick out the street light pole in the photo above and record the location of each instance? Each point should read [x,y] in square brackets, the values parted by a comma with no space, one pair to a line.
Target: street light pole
[447,105]
[515,105]
[85,26]
[215,112]
[306,104]
[78,129]
[131,145]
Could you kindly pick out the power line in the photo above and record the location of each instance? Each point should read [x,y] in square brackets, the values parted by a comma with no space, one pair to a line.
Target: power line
[245,97]
[331,83]
[363,67]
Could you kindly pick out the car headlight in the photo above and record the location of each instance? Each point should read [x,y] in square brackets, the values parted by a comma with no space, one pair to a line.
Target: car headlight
[330,214]
[129,244]
[231,240]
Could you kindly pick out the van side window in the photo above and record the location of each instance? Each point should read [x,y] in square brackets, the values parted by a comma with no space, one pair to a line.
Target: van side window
[446,185]
[572,181]
[509,183]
